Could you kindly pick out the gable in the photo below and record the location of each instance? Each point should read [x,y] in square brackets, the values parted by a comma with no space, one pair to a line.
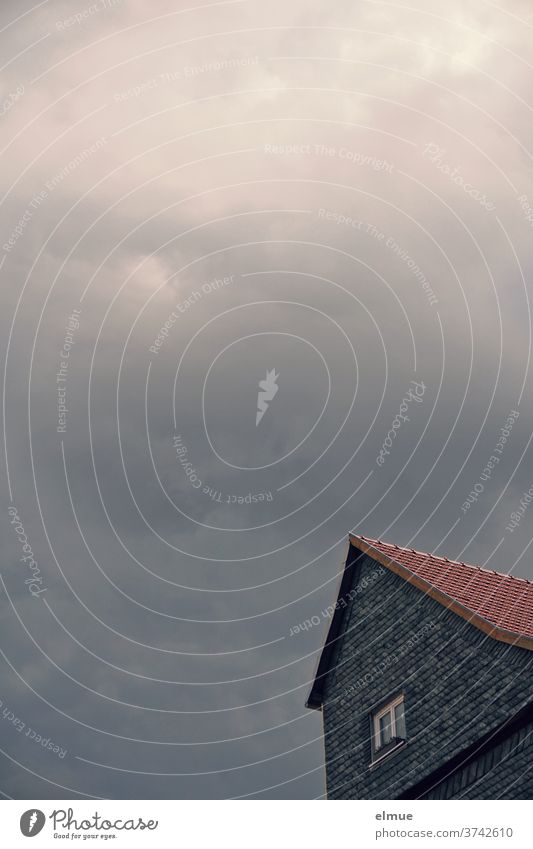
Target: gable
[458,685]
[472,593]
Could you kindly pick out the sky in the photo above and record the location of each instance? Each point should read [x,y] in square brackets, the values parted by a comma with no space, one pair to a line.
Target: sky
[318,213]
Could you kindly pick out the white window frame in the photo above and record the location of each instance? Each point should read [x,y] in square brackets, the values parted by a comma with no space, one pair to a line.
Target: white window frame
[389,708]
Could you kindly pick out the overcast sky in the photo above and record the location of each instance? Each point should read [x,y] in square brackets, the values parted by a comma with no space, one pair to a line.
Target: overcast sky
[334,199]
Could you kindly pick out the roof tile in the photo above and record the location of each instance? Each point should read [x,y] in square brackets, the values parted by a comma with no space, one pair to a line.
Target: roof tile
[503,600]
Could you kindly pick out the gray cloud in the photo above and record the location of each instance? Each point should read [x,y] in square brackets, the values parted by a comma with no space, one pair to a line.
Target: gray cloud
[147,155]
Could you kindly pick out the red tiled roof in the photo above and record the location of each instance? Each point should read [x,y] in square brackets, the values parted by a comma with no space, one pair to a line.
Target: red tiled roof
[504,601]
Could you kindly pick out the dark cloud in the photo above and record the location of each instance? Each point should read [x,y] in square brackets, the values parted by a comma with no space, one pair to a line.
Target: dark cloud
[338,194]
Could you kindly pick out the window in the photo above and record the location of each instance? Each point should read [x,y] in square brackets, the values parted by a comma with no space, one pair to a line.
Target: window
[388,727]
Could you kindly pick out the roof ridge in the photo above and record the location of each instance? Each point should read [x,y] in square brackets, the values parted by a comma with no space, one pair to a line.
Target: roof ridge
[443,559]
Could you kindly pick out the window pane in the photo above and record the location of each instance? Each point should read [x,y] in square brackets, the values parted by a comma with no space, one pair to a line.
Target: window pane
[385,730]
[399,721]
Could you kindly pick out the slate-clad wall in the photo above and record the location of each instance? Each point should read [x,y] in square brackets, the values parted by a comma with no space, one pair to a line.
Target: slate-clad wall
[511,779]
[458,682]
[503,771]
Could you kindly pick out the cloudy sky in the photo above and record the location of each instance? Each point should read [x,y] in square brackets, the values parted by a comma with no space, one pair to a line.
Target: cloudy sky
[335,200]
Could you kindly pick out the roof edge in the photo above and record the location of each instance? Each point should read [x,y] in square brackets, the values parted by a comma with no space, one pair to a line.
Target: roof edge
[314,700]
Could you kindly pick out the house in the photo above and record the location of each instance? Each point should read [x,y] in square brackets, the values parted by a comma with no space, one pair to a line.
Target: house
[425,681]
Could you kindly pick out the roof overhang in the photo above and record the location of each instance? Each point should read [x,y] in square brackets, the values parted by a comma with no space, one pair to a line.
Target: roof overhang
[335,632]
